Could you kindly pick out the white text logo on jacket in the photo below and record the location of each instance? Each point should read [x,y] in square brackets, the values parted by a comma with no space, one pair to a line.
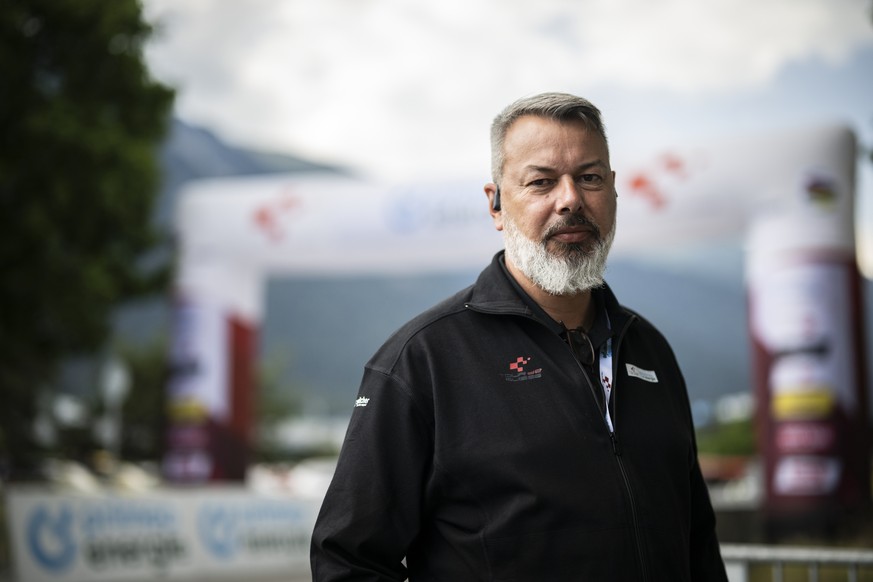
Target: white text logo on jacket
[637,372]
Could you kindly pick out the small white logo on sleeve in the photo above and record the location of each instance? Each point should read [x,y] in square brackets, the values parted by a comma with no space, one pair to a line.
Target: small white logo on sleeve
[647,375]
[362,401]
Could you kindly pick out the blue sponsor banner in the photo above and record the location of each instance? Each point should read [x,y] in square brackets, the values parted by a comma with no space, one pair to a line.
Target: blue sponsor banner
[173,534]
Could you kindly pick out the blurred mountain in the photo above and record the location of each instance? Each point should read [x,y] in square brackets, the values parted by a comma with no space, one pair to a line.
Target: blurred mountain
[319,332]
[191,152]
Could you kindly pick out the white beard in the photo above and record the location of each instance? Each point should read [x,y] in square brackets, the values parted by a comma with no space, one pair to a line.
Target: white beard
[578,270]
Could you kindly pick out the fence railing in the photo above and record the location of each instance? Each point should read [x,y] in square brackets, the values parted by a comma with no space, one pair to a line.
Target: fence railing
[739,558]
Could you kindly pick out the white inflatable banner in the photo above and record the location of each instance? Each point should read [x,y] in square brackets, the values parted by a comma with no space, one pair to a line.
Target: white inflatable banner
[304,224]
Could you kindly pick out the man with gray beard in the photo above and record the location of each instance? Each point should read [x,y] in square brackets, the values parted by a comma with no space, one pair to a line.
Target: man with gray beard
[529,428]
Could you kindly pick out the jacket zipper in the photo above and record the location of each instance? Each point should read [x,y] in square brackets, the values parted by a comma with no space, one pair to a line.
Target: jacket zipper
[616,449]
[613,439]
[616,445]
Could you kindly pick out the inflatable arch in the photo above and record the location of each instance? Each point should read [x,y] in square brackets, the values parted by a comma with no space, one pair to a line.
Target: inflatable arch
[790,195]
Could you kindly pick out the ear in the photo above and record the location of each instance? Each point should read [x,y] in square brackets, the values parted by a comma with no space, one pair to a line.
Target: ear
[496,215]
[614,191]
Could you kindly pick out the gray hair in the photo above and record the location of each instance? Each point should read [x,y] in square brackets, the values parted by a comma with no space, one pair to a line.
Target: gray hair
[557,106]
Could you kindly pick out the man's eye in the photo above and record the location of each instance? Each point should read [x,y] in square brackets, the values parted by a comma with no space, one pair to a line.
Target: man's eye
[539,183]
[590,180]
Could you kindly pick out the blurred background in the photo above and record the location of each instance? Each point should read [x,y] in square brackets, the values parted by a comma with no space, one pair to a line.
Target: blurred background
[110,109]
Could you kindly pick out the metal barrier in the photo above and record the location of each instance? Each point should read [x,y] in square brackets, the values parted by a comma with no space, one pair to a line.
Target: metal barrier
[738,559]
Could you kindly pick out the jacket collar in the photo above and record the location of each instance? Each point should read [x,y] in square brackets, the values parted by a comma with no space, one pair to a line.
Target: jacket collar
[495,292]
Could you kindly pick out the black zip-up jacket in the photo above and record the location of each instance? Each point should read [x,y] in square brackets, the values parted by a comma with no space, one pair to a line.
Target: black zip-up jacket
[471,469]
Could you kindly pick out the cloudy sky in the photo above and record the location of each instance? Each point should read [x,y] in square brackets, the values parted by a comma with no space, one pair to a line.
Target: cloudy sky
[404,89]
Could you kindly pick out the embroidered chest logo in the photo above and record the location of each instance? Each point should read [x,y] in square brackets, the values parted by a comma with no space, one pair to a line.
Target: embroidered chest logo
[519,372]
[362,401]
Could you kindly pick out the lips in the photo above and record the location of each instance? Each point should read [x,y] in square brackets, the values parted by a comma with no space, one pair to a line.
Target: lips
[573,230]
[572,234]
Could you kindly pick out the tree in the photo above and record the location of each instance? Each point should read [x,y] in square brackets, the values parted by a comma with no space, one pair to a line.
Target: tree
[144,409]
[80,121]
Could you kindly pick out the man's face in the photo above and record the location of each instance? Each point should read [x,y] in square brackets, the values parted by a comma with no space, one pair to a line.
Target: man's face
[558,203]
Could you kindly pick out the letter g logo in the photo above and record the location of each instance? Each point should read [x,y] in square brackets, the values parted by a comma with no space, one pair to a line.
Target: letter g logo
[50,538]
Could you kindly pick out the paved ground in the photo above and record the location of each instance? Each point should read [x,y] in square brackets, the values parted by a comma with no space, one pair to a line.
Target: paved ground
[296,577]
[291,577]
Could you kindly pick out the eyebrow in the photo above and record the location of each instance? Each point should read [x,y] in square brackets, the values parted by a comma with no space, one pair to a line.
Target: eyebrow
[582,167]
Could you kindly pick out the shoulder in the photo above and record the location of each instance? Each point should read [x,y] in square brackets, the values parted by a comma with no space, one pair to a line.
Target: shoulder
[433,323]
[643,325]
[623,317]
[642,332]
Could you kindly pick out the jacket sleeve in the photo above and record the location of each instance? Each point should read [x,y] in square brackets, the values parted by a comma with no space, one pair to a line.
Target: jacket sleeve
[704,551]
[706,561]
[373,506]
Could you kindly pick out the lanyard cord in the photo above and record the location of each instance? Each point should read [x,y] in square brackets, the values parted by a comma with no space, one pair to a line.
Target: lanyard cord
[606,377]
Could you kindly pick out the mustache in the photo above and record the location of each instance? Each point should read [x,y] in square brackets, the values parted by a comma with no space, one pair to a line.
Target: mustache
[571,221]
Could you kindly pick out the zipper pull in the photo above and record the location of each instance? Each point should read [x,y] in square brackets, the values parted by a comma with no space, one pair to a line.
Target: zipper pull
[616,446]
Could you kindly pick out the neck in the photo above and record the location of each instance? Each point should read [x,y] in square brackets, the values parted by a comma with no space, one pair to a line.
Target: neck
[576,310]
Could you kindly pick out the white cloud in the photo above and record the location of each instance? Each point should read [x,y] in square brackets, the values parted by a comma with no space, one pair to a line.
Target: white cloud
[690,46]
[394,87]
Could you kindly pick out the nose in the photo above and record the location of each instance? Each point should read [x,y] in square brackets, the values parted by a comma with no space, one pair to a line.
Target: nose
[568,198]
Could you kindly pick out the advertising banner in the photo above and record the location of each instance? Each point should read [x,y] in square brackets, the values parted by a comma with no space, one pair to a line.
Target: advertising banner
[210,394]
[167,534]
[812,413]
